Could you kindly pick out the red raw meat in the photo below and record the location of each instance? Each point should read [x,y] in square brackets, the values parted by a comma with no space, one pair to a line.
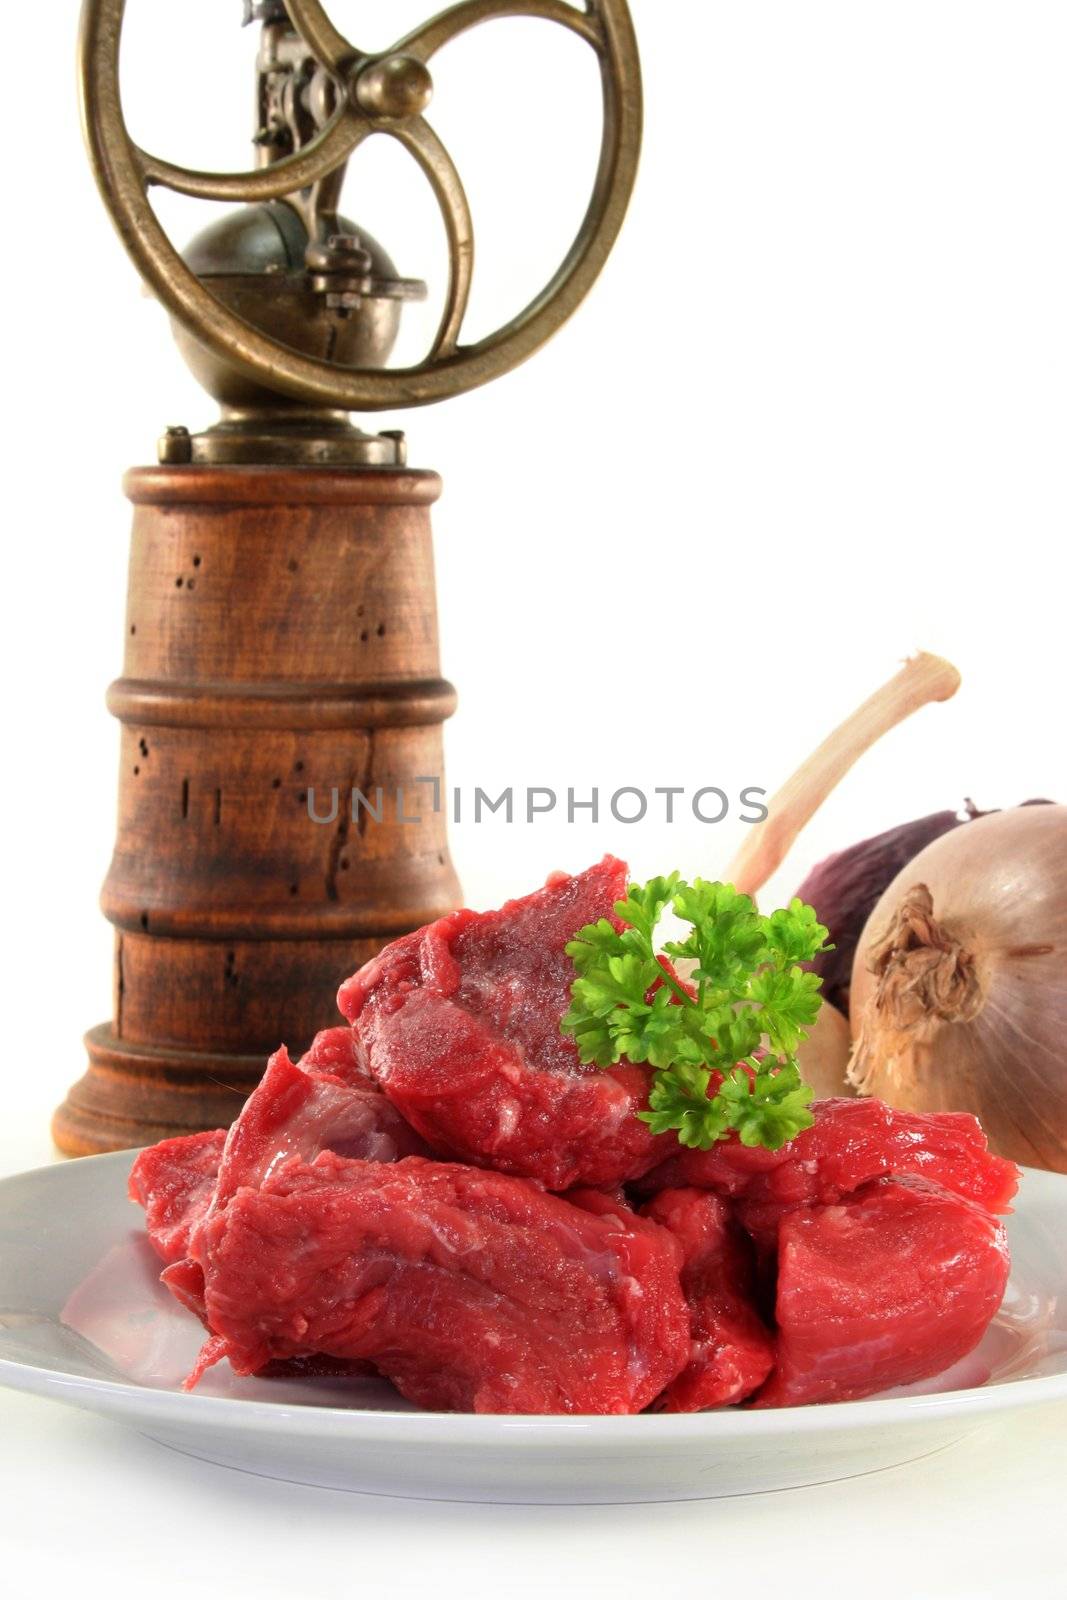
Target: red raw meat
[459,1024]
[894,1284]
[175,1181]
[294,1111]
[604,1202]
[334,1051]
[470,1290]
[298,1111]
[852,1142]
[732,1351]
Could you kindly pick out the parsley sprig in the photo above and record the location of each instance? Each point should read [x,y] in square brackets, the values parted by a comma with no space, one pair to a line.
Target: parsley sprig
[751,995]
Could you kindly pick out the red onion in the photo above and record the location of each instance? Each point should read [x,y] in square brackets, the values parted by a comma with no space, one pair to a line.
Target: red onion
[959,986]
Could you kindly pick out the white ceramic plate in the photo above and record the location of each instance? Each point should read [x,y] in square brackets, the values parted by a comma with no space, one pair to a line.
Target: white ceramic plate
[84,1320]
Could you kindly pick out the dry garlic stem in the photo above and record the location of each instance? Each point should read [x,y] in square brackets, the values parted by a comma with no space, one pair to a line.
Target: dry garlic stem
[920,681]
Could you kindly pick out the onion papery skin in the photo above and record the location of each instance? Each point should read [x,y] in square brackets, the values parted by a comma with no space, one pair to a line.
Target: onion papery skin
[967,1010]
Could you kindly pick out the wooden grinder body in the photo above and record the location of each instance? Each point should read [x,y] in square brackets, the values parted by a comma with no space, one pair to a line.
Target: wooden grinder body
[281,649]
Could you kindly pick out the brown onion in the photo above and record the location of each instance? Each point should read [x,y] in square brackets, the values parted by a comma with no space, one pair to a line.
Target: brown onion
[846,887]
[959,987]
[824,1054]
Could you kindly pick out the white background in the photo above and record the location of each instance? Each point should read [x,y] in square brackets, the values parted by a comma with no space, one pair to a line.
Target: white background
[812,418]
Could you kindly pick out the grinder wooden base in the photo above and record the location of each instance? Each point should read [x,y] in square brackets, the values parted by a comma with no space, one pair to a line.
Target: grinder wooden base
[281,653]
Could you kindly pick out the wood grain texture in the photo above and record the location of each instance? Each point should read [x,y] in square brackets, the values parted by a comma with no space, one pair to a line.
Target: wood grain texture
[281,652]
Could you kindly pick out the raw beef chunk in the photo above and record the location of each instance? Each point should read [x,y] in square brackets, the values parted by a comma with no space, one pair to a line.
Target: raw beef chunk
[470,1290]
[852,1142]
[301,1110]
[175,1181]
[894,1284]
[731,1350]
[293,1112]
[459,1024]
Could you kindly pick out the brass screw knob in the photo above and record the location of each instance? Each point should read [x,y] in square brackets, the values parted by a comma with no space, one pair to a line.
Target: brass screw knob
[341,269]
[176,447]
[342,253]
[395,86]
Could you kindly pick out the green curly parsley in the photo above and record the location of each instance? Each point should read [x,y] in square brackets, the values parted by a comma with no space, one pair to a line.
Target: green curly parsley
[751,992]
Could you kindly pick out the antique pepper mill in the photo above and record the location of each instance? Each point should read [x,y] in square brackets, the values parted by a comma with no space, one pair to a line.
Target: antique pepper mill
[281,632]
